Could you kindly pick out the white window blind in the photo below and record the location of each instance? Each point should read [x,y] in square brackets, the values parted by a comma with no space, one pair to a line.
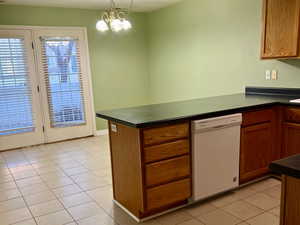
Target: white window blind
[15,91]
[61,65]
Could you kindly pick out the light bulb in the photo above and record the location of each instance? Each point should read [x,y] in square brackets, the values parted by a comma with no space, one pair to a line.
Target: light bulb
[102,26]
[126,24]
[116,25]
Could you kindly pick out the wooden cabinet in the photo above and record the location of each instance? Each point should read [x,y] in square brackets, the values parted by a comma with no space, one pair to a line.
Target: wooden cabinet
[167,150]
[167,194]
[291,139]
[256,151]
[290,204]
[292,115]
[258,143]
[280,34]
[154,136]
[291,132]
[151,167]
[167,170]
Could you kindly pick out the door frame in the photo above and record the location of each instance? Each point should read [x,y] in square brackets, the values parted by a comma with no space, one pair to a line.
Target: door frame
[88,69]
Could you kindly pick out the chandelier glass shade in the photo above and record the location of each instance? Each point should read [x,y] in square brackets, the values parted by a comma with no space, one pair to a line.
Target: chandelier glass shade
[114,19]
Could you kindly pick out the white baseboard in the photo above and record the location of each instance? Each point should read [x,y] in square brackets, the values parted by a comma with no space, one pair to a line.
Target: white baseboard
[101,132]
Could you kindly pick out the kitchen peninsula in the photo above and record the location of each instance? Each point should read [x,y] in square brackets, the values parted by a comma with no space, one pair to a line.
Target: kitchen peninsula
[151,145]
[289,168]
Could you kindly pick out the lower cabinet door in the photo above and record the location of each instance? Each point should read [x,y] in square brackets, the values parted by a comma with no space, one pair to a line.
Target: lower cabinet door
[291,140]
[256,151]
[168,194]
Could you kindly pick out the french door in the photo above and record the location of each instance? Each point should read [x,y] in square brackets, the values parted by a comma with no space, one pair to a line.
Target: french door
[20,115]
[45,92]
[62,65]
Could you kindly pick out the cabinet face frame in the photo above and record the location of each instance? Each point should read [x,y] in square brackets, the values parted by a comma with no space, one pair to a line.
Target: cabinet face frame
[293,49]
[127,147]
[290,122]
[287,128]
[187,136]
[270,118]
[289,211]
[245,149]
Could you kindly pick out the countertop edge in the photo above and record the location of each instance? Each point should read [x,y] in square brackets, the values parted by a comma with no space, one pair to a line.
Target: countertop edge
[283,170]
[190,117]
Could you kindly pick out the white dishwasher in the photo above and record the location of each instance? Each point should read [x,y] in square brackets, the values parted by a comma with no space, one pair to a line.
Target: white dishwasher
[216,147]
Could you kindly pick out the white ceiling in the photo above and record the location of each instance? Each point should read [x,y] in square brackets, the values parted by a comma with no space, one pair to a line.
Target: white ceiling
[138,5]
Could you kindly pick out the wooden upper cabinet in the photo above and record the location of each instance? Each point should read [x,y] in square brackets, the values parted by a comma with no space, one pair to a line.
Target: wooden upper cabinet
[280,36]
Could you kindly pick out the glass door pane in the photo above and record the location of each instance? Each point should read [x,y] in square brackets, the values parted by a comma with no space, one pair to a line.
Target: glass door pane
[61,62]
[19,112]
[65,83]
[15,90]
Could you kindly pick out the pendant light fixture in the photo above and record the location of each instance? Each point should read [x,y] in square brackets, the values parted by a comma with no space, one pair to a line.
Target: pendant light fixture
[114,19]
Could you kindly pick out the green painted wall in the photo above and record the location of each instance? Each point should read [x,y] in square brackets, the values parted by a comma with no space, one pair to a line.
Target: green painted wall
[196,48]
[118,62]
[200,48]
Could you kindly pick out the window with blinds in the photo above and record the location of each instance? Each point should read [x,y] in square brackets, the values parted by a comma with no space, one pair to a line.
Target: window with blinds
[61,65]
[15,91]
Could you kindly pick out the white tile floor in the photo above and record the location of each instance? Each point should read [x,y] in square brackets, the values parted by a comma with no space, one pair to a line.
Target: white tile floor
[69,183]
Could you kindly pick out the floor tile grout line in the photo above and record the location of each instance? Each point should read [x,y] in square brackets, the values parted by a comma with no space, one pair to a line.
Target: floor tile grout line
[241,220]
[263,211]
[86,165]
[48,213]
[27,207]
[66,209]
[105,210]
[262,208]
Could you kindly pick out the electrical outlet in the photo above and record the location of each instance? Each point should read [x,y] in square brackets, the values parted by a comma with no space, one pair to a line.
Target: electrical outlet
[274,75]
[268,74]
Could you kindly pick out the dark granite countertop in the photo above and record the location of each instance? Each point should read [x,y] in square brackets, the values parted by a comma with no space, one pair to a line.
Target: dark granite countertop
[289,166]
[150,115]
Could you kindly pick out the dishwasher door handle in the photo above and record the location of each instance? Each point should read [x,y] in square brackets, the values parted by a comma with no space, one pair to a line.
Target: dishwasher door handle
[221,126]
[216,127]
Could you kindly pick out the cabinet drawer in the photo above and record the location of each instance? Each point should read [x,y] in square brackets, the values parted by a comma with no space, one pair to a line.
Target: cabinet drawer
[168,194]
[167,170]
[256,117]
[292,115]
[167,150]
[164,134]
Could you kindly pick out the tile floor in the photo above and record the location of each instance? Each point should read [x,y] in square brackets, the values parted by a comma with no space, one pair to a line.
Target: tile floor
[69,183]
